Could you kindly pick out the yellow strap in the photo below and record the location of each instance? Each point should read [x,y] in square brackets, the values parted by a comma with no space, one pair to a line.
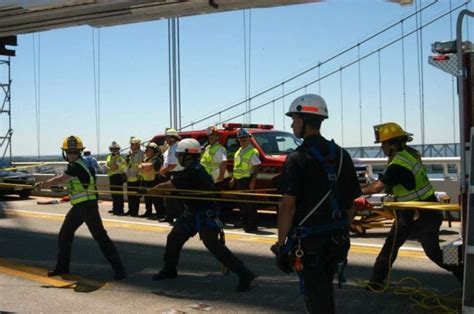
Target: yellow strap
[421,206]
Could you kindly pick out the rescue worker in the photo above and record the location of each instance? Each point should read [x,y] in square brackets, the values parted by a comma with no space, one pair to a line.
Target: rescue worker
[115,167]
[148,171]
[319,184]
[134,158]
[214,160]
[405,177]
[199,217]
[91,162]
[170,164]
[82,193]
[244,177]
[214,157]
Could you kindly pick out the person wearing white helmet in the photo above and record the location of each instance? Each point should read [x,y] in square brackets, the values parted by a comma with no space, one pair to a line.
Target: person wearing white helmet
[170,165]
[200,217]
[115,167]
[319,184]
[134,158]
[148,170]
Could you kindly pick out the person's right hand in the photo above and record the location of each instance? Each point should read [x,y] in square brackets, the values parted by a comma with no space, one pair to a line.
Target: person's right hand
[362,203]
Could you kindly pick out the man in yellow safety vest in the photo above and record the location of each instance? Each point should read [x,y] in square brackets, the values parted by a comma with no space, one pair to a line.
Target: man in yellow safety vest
[115,167]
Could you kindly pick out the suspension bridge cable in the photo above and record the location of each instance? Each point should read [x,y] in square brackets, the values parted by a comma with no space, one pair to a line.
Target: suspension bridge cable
[360,98]
[453,101]
[245,63]
[380,85]
[36,74]
[319,77]
[250,68]
[342,106]
[94,70]
[312,67]
[349,64]
[422,83]
[178,71]
[98,91]
[404,78]
[283,103]
[170,91]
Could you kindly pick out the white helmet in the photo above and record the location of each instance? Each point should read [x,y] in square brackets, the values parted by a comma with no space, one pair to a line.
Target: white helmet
[189,146]
[135,140]
[172,132]
[309,105]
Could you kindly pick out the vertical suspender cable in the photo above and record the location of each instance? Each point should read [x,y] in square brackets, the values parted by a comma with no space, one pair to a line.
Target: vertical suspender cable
[283,103]
[245,65]
[380,85]
[360,101]
[273,111]
[404,78]
[419,44]
[98,92]
[36,74]
[342,106]
[178,71]
[169,73]
[319,78]
[175,91]
[250,68]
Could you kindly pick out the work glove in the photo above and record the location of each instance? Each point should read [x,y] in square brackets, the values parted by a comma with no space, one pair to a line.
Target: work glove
[282,259]
[362,203]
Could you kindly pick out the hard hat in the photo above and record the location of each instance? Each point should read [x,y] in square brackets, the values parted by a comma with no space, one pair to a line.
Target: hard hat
[172,132]
[212,130]
[153,146]
[114,146]
[135,140]
[87,151]
[243,133]
[189,146]
[310,105]
[390,130]
[72,143]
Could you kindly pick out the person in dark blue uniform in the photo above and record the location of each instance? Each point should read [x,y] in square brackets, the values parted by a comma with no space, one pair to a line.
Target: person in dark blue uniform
[319,184]
[83,197]
[199,216]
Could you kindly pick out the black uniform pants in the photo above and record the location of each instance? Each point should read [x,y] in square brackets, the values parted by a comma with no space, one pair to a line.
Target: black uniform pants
[116,185]
[322,253]
[153,201]
[425,228]
[248,211]
[133,200]
[87,212]
[185,229]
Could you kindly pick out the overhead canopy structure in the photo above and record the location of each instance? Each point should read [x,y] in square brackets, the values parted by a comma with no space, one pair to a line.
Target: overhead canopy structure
[26,16]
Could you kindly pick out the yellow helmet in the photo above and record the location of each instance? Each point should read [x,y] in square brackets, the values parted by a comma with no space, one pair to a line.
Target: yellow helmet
[72,143]
[390,130]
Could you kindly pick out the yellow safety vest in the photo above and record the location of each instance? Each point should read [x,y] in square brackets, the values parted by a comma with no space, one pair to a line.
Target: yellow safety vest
[150,174]
[119,161]
[134,162]
[423,188]
[77,193]
[242,166]
[207,158]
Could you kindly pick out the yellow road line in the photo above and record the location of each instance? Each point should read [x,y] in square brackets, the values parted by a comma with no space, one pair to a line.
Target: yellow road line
[38,274]
[138,226]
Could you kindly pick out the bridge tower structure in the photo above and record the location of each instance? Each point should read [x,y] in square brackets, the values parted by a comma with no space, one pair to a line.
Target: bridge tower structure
[6,130]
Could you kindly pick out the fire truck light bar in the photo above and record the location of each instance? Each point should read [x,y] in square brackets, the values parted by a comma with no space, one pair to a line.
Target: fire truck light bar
[248,126]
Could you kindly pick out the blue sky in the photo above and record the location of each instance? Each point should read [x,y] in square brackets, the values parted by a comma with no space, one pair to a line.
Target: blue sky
[134,74]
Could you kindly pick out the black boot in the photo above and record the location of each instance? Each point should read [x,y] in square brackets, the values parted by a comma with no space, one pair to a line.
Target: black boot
[166,273]
[57,272]
[245,279]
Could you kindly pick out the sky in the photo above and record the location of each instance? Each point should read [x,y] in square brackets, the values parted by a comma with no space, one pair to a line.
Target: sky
[132,72]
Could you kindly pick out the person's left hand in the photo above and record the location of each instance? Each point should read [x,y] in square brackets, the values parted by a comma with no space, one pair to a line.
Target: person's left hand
[282,259]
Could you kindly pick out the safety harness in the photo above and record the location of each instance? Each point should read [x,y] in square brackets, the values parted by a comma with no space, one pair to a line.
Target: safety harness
[299,232]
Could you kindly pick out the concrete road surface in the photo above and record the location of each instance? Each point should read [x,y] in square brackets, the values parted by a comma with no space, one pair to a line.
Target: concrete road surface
[28,241]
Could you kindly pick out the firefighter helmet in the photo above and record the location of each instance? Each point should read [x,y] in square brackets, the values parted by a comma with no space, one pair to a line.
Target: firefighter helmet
[72,144]
[309,105]
[390,130]
[243,132]
[189,146]
[152,146]
[114,146]
[212,130]
[172,132]
[135,140]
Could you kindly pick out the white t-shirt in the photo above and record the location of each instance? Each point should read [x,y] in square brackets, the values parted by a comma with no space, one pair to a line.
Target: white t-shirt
[169,158]
[220,155]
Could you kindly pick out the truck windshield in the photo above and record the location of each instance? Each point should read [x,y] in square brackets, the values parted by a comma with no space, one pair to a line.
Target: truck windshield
[277,143]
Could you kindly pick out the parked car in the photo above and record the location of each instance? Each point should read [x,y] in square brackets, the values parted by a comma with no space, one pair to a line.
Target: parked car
[10,175]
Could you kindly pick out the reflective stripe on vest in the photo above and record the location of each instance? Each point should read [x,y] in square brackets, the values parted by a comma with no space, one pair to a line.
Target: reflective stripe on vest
[423,188]
[207,159]
[242,166]
[119,161]
[77,193]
